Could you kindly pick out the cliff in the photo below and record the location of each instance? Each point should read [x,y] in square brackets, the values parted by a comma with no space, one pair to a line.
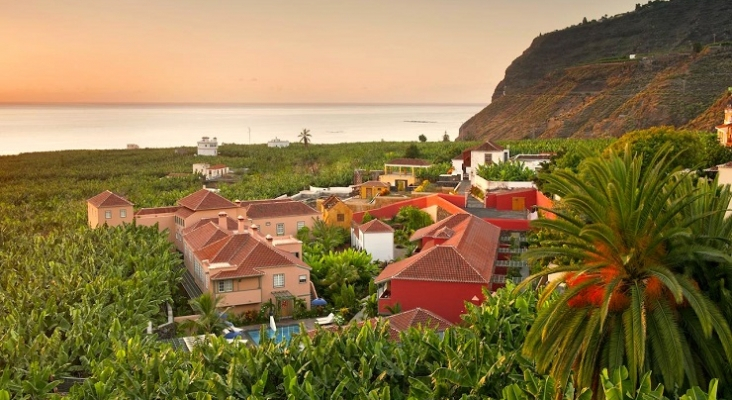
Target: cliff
[583,82]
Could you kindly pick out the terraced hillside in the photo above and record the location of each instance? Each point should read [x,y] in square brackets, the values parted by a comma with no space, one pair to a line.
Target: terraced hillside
[582,82]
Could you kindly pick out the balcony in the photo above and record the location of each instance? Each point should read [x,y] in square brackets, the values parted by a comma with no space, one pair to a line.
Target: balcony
[512,250]
[241,297]
[511,263]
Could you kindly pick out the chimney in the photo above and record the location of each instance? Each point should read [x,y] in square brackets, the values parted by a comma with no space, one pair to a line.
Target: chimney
[237,202]
[222,220]
[241,228]
[269,238]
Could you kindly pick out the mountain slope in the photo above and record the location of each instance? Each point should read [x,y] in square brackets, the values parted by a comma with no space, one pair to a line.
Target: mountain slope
[581,81]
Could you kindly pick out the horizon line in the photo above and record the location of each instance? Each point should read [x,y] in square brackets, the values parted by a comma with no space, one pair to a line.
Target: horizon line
[200,104]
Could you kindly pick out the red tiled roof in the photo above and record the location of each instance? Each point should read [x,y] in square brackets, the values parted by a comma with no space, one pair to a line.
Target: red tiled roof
[279,209]
[201,235]
[248,254]
[108,199]
[330,202]
[231,224]
[157,210]
[430,231]
[246,203]
[375,226]
[723,126]
[205,200]
[468,256]
[415,318]
[217,166]
[409,162]
[488,146]
[184,212]
[375,184]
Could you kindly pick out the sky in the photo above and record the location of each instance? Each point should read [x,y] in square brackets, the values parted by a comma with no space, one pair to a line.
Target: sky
[271,51]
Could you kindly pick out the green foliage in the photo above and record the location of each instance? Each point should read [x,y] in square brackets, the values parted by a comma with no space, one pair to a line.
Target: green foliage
[412,151]
[209,320]
[629,231]
[433,173]
[510,171]
[422,138]
[412,218]
[305,137]
[331,270]
[64,295]
[686,145]
[366,217]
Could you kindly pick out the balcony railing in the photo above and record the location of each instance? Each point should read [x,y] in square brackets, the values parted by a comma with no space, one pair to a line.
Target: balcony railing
[511,263]
[512,250]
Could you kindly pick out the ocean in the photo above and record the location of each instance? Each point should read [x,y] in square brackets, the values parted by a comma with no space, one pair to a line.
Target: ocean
[25,128]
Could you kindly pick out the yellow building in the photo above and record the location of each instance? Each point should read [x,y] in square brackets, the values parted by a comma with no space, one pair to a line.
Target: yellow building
[724,131]
[110,209]
[402,172]
[372,189]
[335,212]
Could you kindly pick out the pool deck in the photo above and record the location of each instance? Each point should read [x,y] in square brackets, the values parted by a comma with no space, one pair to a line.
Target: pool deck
[308,322]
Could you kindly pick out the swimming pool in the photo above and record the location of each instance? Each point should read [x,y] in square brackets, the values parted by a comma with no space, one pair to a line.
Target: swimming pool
[283,333]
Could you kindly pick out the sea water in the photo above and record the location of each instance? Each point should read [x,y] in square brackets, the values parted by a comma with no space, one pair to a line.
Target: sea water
[26,128]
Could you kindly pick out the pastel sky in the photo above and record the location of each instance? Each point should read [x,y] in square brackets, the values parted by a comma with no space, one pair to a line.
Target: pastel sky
[271,51]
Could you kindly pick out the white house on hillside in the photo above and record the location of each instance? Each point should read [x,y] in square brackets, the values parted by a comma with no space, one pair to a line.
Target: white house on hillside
[278,143]
[374,237]
[207,147]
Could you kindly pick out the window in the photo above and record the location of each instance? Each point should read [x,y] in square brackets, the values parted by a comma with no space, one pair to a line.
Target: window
[279,280]
[108,214]
[300,225]
[281,229]
[303,278]
[225,286]
[341,217]
[488,158]
[123,213]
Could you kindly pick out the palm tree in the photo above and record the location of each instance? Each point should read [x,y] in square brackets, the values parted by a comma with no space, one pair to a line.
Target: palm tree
[305,137]
[624,235]
[209,320]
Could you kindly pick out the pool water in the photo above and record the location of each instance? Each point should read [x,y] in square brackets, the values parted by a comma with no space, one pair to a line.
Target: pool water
[283,333]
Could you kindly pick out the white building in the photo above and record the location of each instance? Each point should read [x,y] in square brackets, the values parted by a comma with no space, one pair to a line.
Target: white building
[278,143]
[210,171]
[208,147]
[376,238]
[471,159]
[533,161]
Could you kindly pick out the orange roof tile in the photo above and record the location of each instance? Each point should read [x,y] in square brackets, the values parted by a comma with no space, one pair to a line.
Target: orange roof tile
[331,201]
[108,199]
[375,226]
[430,231]
[217,166]
[488,146]
[468,256]
[279,209]
[205,200]
[184,212]
[415,318]
[375,184]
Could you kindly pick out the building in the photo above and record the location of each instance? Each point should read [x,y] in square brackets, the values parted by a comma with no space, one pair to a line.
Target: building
[208,147]
[335,212]
[233,260]
[485,153]
[210,172]
[517,199]
[533,161]
[724,131]
[375,238]
[455,261]
[279,217]
[402,172]
[278,143]
[371,189]
[110,209]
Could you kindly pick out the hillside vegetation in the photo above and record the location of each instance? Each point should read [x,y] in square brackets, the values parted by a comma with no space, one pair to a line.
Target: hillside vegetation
[581,81]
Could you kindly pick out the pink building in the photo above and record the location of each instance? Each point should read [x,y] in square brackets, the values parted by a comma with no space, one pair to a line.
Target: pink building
[110,209]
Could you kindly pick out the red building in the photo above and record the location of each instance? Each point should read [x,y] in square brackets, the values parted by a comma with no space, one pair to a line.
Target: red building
[456,260]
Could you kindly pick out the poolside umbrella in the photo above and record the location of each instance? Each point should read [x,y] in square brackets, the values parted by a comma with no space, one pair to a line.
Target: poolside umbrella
[318,302]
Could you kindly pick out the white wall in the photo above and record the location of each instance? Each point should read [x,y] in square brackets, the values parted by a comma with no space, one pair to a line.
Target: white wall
[379,245]
[485,185]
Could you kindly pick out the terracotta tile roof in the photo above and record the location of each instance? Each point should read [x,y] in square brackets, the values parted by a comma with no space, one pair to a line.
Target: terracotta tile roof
[157,210]
[375,184]
[184,212]
[488,146]
[375,226]
[248,254]
[330,202]
[468,256]
[415,318]
[108,199]
[430,231]
[409,162]
[217,166]
[279,209]
[201,235]
[246,203]
[723,126]
[205,200]
[231,224]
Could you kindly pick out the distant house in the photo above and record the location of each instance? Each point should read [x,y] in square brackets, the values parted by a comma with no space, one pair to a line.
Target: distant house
[210,172]
[279,217]
[486,153]
[132,146]
[278,143]
[402,172]
[208,147]
[335,212]
[374,237]
[110,209]
[456,260]
[234,261]
[724,131]
[372,189]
